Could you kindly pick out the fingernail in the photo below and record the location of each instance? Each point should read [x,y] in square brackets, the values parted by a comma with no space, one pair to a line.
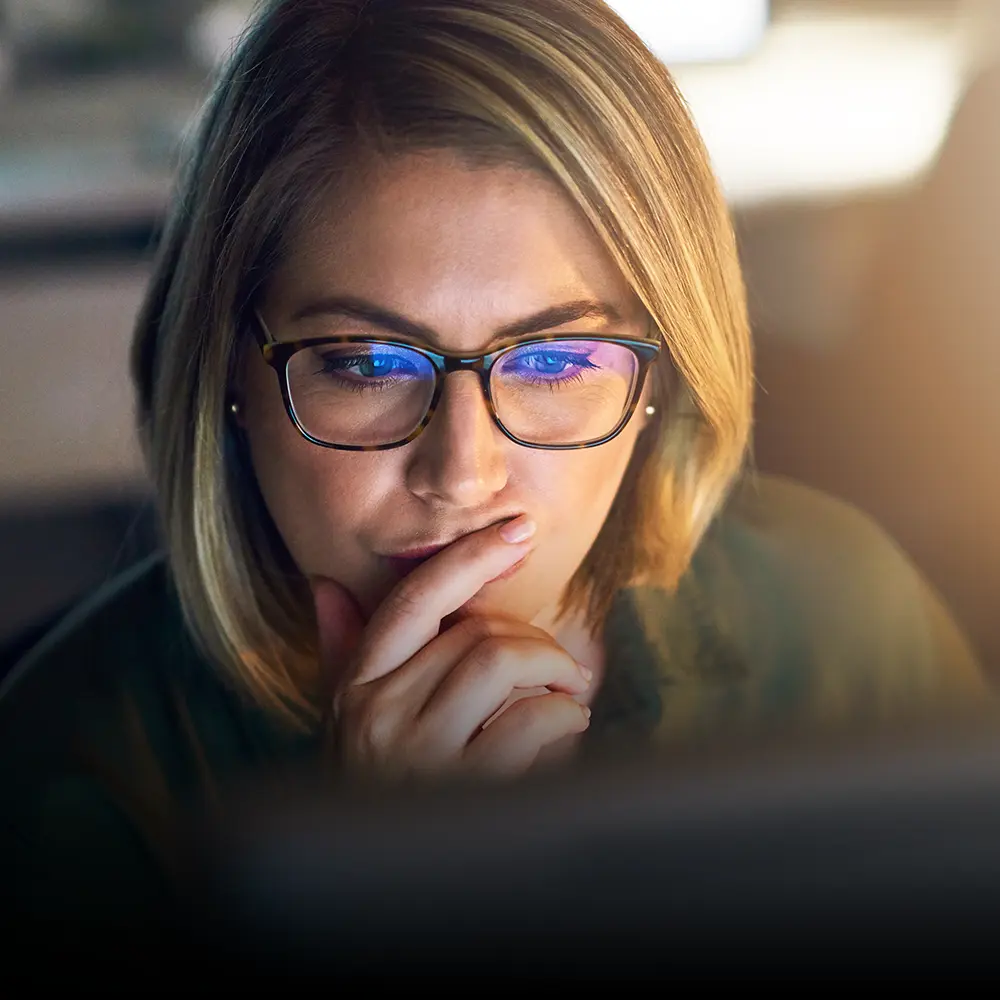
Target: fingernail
[518,530]
[586,711]
[588,674]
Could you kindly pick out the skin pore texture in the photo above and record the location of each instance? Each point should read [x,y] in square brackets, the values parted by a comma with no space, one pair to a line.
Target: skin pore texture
[463,252]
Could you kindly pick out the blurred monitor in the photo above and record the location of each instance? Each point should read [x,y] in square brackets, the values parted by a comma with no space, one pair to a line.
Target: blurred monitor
[775,861]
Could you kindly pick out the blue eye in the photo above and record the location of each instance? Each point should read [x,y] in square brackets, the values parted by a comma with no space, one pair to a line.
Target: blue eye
[365,364]
[548,364]
[545,364]
[378,364]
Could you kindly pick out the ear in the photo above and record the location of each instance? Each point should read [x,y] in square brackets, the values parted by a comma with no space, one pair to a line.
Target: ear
[646,407]
[235,410]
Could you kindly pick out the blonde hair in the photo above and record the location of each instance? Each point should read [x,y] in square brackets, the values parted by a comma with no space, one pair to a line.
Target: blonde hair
[561,85]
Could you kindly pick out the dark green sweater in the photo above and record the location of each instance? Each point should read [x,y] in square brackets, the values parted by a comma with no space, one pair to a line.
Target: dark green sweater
[797,611]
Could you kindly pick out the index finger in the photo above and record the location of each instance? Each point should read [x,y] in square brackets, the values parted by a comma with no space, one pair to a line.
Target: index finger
[412,613]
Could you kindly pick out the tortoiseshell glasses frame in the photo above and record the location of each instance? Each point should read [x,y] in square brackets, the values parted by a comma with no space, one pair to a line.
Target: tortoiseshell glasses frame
[277,355]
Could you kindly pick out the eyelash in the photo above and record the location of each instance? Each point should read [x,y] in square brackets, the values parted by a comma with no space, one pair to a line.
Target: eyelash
[334,366]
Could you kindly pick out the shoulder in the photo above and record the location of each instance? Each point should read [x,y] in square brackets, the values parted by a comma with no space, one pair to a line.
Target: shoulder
[827,563]
[790,536]
[108,726]
[127,637]
[122,678]
[806,551]
[801,607]
[798,522]
[105,686]
[121,610]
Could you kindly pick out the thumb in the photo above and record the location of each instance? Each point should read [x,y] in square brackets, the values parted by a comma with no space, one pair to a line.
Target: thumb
[340,623]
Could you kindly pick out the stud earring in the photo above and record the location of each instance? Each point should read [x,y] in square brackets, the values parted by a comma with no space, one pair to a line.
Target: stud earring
[234,408]
[650,410]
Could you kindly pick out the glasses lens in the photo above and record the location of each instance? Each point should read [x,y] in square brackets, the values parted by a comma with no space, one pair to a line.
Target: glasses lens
[359,394]
[564,391]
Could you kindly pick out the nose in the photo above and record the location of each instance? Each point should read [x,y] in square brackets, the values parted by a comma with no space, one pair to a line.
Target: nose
[459,459]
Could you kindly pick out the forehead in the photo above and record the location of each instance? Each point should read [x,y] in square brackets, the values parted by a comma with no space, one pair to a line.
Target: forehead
[453,246]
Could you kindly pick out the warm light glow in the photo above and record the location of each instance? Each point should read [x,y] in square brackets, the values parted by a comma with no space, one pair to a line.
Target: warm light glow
[828,106]
[813,105]
[683,31]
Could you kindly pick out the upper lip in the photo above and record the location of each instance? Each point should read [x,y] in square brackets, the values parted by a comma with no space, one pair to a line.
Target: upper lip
[424,552]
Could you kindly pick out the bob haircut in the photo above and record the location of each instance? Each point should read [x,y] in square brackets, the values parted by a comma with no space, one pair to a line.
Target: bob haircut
[559,86]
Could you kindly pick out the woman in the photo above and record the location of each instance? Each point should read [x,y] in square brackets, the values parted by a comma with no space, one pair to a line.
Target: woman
[444,379]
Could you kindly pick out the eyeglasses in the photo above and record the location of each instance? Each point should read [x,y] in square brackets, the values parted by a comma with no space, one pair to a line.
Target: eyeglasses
[369,394]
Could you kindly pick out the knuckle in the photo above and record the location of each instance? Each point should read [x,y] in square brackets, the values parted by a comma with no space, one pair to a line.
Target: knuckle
[377,731]
[522,716]
[477,629]
[367,728]
[545,712]
[487,659]
[425,754]
[565,704]
[345,704]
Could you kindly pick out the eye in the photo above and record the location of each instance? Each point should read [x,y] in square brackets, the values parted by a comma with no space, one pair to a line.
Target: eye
[369,363]
[378,364]
[548,361]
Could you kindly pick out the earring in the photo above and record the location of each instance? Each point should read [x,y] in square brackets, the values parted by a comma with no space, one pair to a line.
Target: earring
[650,410]
[234,408]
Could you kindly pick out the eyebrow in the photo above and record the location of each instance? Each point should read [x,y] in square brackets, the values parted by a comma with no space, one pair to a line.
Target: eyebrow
[547,319]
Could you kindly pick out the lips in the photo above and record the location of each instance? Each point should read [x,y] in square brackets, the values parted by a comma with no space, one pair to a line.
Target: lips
[404,567]
[419,554]
[406,561]
[428,549]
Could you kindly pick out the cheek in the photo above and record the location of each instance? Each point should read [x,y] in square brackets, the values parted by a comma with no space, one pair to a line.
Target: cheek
[575,489]
[317,497]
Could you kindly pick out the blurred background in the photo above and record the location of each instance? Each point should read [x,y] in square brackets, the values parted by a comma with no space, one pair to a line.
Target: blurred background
[857,140]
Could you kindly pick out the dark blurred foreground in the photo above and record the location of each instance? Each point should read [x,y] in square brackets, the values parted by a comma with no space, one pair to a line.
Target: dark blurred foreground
[882,859]
[875,856]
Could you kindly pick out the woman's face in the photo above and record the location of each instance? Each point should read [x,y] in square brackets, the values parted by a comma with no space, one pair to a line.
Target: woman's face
[463,252]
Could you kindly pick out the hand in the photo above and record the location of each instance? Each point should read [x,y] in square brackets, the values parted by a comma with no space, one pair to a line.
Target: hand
[415,699]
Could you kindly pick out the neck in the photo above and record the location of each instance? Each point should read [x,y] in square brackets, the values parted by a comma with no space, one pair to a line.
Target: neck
[574,634]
